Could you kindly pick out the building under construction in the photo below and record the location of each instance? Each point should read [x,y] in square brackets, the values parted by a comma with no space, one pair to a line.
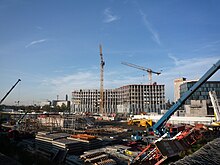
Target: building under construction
[88,100]
[130,99]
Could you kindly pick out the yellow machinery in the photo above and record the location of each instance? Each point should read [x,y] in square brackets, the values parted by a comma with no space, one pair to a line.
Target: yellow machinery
[141,122]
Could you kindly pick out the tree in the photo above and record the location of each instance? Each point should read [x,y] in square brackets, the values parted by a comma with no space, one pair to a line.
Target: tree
[46,108]
[63,107]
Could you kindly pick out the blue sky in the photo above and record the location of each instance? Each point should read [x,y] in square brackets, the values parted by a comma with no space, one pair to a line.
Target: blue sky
[53,45]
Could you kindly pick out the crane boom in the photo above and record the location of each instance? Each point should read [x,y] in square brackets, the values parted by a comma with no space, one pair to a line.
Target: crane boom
[144,69]
[102,63]
[159,125]
[9,91]
[215,105]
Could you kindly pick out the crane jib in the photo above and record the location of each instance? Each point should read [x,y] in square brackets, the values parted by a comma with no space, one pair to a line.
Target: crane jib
[9,91]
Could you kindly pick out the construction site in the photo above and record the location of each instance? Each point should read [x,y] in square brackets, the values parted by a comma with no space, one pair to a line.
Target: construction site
[117,126]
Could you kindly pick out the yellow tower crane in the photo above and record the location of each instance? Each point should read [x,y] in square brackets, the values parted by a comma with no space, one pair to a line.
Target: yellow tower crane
[101,108]
[144,69]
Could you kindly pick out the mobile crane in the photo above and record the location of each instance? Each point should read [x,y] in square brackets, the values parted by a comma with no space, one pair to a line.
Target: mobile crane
[158,128]
[216,107]
[9,91]
[151,152]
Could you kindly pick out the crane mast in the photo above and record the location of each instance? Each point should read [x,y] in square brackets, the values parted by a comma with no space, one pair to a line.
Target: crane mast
[9,91]
[102,63]
[150,71]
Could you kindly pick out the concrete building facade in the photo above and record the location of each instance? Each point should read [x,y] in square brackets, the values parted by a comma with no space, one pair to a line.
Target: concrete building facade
[129,99]
[199,104]
[88,100]
[177,83]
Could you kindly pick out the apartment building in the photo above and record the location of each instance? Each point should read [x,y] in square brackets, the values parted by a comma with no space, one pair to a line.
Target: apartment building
[128,99]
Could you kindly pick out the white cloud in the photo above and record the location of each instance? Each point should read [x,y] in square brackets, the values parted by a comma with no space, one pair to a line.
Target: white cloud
[67,83]
[86,80]
[50,87]
[176,61]
[109,17]
[35,42]
[192,66]
[155,35]
[210,45]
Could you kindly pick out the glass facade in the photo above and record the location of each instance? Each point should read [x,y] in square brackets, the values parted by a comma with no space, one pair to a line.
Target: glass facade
[203,92]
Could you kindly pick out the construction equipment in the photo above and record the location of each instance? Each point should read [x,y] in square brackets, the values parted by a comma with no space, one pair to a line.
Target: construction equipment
[159,126]
[144,69]
[141,122]
[216,107]
[101,108]
[161,149]
[9,91]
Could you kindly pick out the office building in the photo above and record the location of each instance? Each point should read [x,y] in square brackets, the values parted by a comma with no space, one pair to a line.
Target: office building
[199,103]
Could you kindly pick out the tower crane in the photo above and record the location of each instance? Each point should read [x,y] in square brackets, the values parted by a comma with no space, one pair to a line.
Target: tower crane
[9,91]
[102,63]
[144,69]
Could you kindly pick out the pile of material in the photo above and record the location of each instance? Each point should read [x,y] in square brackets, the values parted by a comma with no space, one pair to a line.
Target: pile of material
[107,130]
[7,160]
[121,152]
[86,142]
[117,154]
[55,146]
[73,160]
[97,158]
[44,144]
[44,139]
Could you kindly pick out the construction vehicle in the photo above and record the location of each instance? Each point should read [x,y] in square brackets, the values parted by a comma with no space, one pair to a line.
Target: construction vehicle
[9,91]
[158,128]
[144,69]
[141,122]
[216,107]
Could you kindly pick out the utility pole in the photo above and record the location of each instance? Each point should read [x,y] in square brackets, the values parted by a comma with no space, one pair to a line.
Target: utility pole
[102,63]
